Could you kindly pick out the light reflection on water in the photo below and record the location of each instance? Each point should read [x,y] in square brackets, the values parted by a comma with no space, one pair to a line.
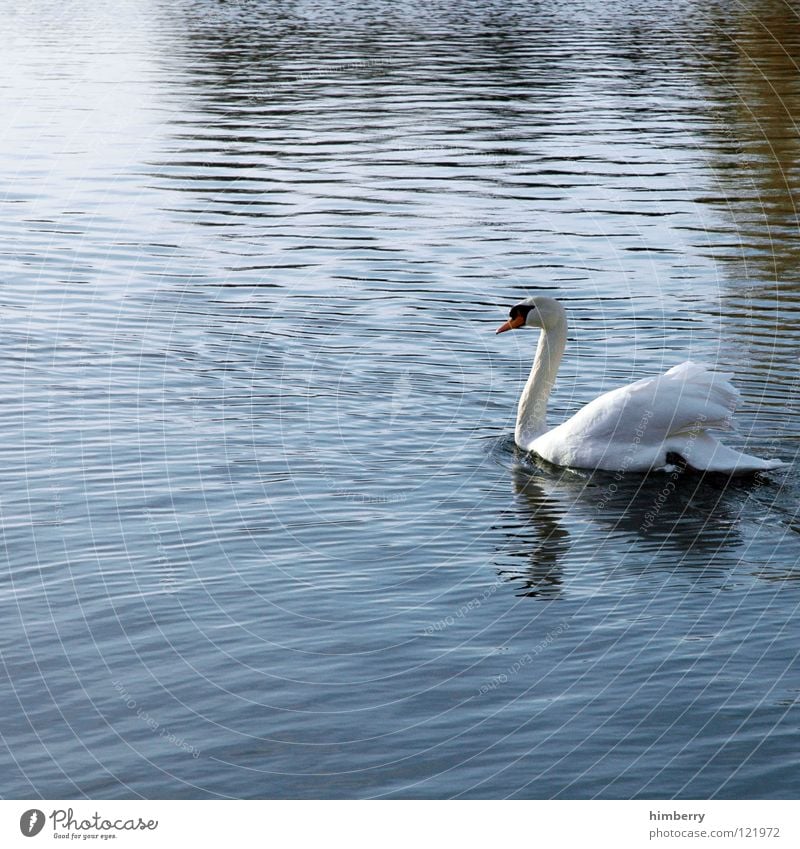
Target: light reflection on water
[257,466]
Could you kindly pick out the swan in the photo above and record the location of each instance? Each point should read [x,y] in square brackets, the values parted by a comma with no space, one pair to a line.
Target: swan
[634,428]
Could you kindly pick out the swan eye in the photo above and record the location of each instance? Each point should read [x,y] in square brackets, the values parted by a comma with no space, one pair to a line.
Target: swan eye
[521,310]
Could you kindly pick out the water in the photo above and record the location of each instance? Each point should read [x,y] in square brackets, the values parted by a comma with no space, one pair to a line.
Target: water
[266,531]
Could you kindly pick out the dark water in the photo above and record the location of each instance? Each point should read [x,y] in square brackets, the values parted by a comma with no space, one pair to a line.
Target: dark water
[265,530]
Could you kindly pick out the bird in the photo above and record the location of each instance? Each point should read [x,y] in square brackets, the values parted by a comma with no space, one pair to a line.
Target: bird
[644,426]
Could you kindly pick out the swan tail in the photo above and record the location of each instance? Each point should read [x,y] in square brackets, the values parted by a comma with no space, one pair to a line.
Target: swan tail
[703,452]
[712,399]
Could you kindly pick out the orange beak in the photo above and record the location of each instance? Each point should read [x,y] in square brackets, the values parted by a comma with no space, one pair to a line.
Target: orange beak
[511,324]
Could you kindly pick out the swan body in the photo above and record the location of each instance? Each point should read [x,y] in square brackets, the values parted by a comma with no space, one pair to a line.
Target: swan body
[634,428]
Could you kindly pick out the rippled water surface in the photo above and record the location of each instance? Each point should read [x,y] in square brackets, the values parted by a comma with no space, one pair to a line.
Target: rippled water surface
[266,532]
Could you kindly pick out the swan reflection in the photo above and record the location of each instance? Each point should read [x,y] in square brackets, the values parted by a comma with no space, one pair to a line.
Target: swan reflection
[630,523]
[539,539]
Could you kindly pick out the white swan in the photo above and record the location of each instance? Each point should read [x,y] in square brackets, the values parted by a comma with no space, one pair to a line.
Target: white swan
[634,428]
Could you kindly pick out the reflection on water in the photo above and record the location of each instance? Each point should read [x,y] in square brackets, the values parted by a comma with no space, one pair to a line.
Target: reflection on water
[256,463]
[538,539]
[673,520]
[754,156]
[757,102]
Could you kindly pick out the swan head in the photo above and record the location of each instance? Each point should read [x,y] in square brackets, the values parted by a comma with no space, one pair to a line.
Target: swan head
[540,311]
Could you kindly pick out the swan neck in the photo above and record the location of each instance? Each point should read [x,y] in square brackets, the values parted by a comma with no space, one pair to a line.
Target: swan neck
[532,410]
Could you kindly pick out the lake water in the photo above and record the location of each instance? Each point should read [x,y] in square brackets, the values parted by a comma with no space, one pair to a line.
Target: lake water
[266,532]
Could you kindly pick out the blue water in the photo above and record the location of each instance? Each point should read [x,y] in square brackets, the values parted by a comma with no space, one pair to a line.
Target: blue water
[266,533]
